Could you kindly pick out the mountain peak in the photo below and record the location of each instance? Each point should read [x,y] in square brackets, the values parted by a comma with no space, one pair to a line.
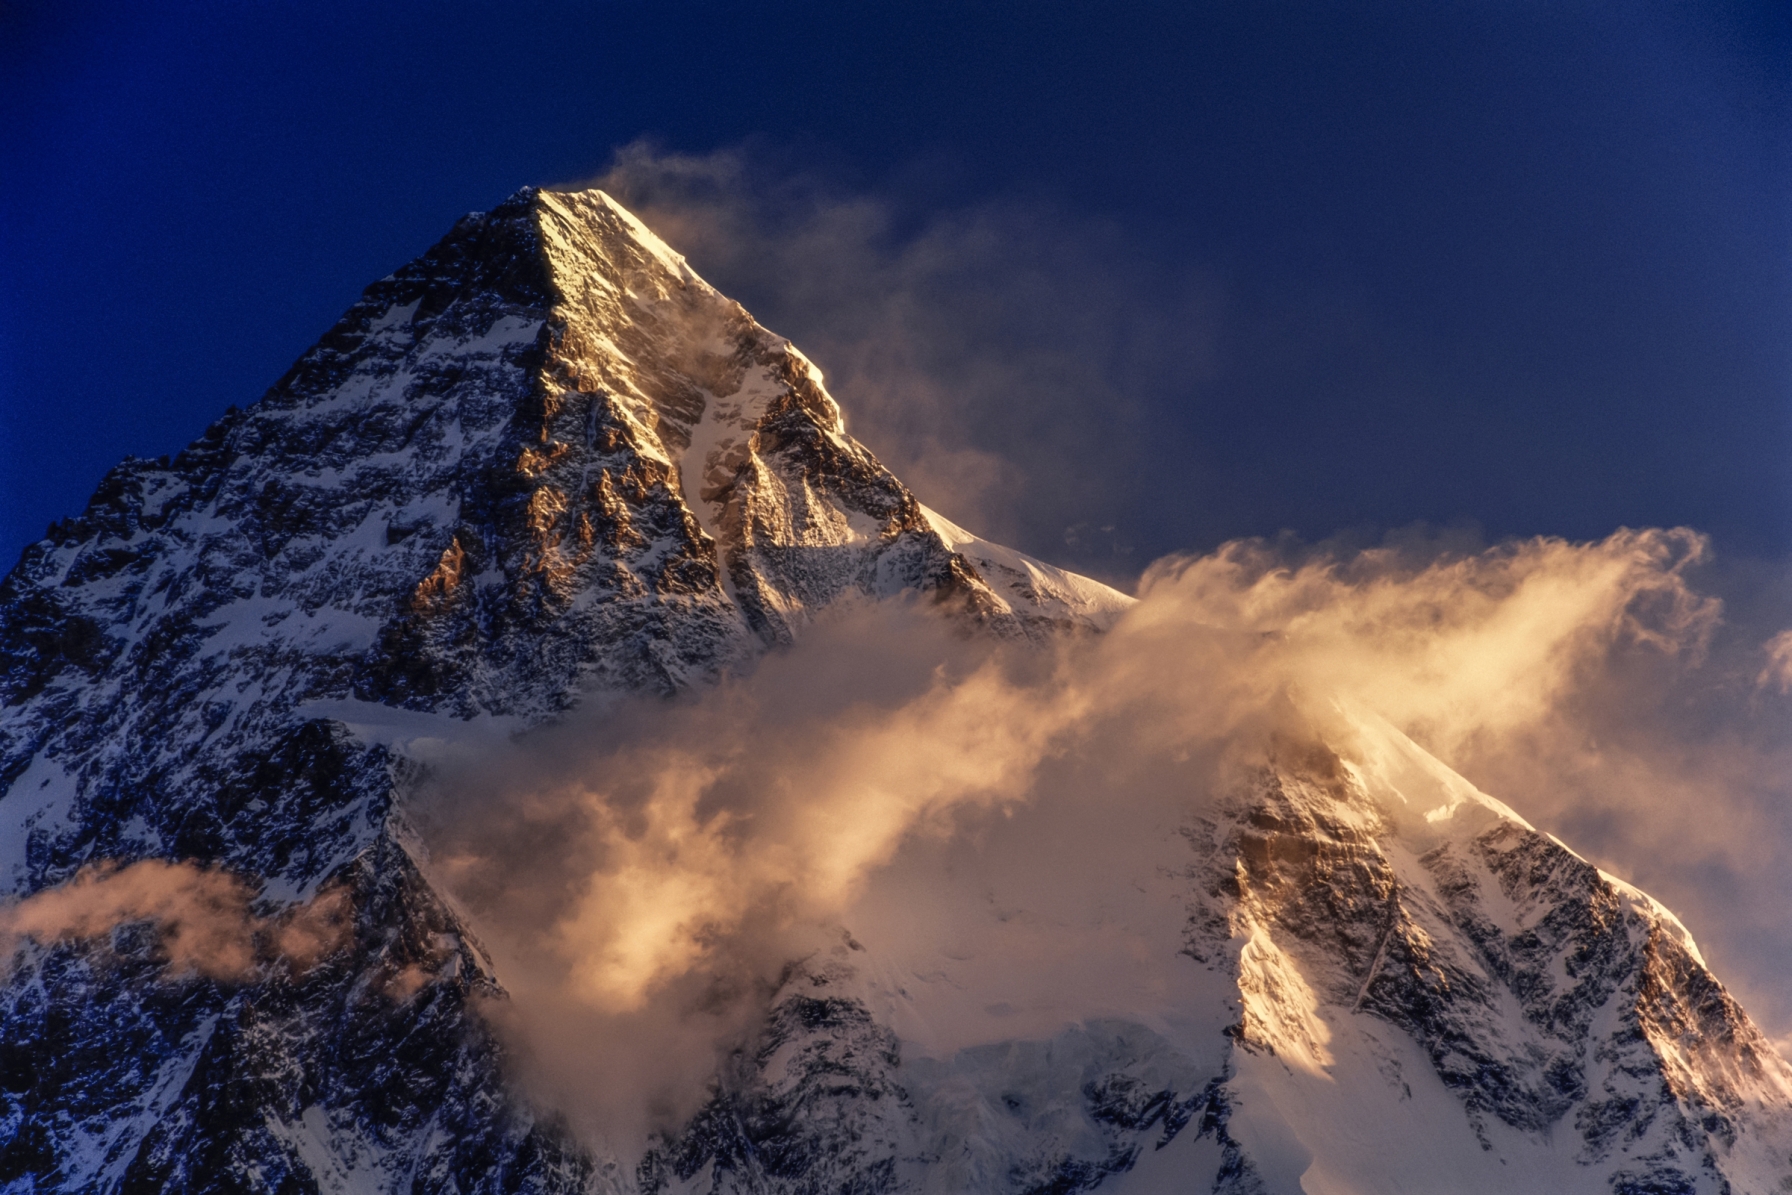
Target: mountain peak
[544,428]
[542,463]
[597,211]
[547,463]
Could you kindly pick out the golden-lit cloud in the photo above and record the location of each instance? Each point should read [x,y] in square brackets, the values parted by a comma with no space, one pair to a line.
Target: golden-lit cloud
[648,863]
[1470,645]
[201,918]
[682,869]
[737,807]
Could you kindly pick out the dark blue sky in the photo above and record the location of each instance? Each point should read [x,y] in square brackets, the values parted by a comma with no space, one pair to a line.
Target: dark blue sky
[1521,266]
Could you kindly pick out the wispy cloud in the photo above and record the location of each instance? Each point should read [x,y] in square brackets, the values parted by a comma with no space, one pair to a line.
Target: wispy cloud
[1777,672]
[201,919]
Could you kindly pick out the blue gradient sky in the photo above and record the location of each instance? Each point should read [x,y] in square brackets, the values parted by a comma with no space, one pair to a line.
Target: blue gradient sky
[1520,267]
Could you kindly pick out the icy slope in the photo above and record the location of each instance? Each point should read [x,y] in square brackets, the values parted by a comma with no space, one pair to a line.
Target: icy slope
[1025,584]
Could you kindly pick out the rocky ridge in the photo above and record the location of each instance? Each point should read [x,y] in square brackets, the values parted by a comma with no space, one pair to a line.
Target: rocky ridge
[546,462]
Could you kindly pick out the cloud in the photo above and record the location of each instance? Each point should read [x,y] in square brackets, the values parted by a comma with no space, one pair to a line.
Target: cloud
[1457,648]
[644,871]
[201,918]
[1777,673]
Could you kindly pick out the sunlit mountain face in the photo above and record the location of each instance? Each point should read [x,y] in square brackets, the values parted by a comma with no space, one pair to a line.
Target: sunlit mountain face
[535,748]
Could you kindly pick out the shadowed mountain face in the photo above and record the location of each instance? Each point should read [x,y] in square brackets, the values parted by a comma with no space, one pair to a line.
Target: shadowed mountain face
[545,464]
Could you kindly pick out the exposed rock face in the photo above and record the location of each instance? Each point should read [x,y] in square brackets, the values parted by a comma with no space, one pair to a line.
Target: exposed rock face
[1555,1003]
[546,462]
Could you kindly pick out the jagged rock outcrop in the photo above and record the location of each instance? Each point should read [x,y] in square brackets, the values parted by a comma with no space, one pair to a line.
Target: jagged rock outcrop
[1384,918]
